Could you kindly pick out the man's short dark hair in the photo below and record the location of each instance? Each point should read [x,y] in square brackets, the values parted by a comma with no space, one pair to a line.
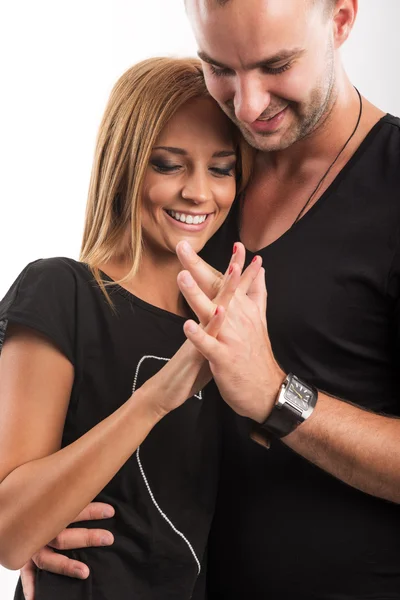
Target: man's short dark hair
[329,5]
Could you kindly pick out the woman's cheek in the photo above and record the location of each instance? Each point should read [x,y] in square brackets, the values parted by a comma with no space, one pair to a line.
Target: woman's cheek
[161,192]
[228,193]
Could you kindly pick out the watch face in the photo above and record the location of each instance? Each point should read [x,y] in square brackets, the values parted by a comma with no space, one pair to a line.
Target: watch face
[298,395]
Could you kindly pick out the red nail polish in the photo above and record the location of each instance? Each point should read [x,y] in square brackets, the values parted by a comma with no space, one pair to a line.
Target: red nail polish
[230,269]
[216,311]
[234,248]
[254,259]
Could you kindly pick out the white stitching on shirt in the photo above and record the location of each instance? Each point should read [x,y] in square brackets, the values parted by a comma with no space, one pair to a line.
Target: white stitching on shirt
[164,516]
[199,395]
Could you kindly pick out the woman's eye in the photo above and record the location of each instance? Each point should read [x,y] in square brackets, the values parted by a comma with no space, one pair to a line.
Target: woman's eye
[223,172]
[163,167]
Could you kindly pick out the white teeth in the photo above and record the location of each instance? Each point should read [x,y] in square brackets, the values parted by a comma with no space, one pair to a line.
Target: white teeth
[189,219]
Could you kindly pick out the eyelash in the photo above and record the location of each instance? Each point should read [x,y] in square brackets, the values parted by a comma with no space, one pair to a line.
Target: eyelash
[271,71]
[223,172]
[165,169]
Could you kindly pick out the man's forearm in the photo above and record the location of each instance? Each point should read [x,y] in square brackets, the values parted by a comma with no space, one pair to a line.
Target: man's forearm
[359,447]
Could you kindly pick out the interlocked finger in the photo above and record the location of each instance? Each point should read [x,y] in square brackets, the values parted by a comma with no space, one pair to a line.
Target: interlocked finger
[228,289]
[216,321]
[210,280]
[238,257]
[208,346]
[200,304]
[258,294]
[250,274]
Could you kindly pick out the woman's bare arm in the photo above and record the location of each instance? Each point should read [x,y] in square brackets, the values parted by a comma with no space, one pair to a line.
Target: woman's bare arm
[44,488]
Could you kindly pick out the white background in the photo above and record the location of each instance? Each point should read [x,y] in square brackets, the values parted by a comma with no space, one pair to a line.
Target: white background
[58,62]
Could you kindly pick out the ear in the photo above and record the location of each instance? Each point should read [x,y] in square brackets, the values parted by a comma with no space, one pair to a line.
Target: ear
[344,16]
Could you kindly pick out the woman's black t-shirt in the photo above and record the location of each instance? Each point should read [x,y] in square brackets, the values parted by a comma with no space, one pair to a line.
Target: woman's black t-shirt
[164,494]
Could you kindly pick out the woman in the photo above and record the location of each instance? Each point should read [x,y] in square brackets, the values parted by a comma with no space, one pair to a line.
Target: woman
[92,404]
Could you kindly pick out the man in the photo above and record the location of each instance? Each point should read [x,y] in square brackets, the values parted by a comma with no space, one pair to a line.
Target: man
[316,515]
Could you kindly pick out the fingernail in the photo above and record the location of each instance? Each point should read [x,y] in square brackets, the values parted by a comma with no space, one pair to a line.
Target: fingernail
[78,573]
[186,279]
[105,540]
[108,513]
[185,247]
[216,311]
[234,248]
[192,327]
[254,259]
[230,270]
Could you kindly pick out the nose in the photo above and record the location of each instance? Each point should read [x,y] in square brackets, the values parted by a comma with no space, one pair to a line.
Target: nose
[197,187]
[251,98]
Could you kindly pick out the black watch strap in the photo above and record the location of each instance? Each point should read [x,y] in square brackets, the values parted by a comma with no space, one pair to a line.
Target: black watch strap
[282,420]
[295,403]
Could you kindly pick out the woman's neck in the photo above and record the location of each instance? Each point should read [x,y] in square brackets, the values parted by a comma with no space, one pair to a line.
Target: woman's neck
[155,282]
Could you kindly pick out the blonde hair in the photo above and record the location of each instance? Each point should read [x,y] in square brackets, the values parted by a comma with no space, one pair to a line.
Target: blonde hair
[140,105]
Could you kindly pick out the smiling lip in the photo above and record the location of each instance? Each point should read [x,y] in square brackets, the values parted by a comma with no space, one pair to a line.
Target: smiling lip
[269,125]
[190,226]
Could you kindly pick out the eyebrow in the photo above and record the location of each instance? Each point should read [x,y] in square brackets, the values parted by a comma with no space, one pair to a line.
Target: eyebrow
[182,152]
[271,60]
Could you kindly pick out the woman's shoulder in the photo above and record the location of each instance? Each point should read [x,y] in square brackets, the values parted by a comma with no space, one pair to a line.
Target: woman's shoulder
[58,267]
[55,276]
[47,295]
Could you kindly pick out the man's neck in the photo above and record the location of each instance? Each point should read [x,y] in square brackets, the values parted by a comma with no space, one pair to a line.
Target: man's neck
[284,182]
[323,143]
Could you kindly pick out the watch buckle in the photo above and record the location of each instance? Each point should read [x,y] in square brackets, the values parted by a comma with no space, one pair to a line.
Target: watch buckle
[260,437]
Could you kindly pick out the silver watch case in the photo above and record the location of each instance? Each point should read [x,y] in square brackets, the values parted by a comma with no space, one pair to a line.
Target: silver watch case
[295,404]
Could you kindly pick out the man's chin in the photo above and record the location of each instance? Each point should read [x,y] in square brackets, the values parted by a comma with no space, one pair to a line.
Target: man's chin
[263,143]
[271,142]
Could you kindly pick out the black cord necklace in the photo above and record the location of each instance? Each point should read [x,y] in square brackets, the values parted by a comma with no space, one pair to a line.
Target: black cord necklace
[333,163]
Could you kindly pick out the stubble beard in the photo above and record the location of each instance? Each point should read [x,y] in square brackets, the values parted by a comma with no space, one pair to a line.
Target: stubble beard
[307,118]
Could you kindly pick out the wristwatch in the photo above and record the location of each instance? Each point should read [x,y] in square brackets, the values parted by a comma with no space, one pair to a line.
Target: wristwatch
[294,405]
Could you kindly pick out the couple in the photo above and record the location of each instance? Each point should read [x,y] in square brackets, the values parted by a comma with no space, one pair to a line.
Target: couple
[316,515]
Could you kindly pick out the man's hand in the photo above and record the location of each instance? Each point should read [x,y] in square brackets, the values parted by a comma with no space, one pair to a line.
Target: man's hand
[69,539]
[241,358]
[214,284]
[209,280]
[188,371]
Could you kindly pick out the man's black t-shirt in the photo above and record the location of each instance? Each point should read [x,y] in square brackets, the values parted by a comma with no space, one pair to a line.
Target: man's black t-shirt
[284,529]
[164,495]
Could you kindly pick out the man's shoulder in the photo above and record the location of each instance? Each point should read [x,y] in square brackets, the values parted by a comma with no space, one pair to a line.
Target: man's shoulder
[380,150]
[389,127]
[392,120]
